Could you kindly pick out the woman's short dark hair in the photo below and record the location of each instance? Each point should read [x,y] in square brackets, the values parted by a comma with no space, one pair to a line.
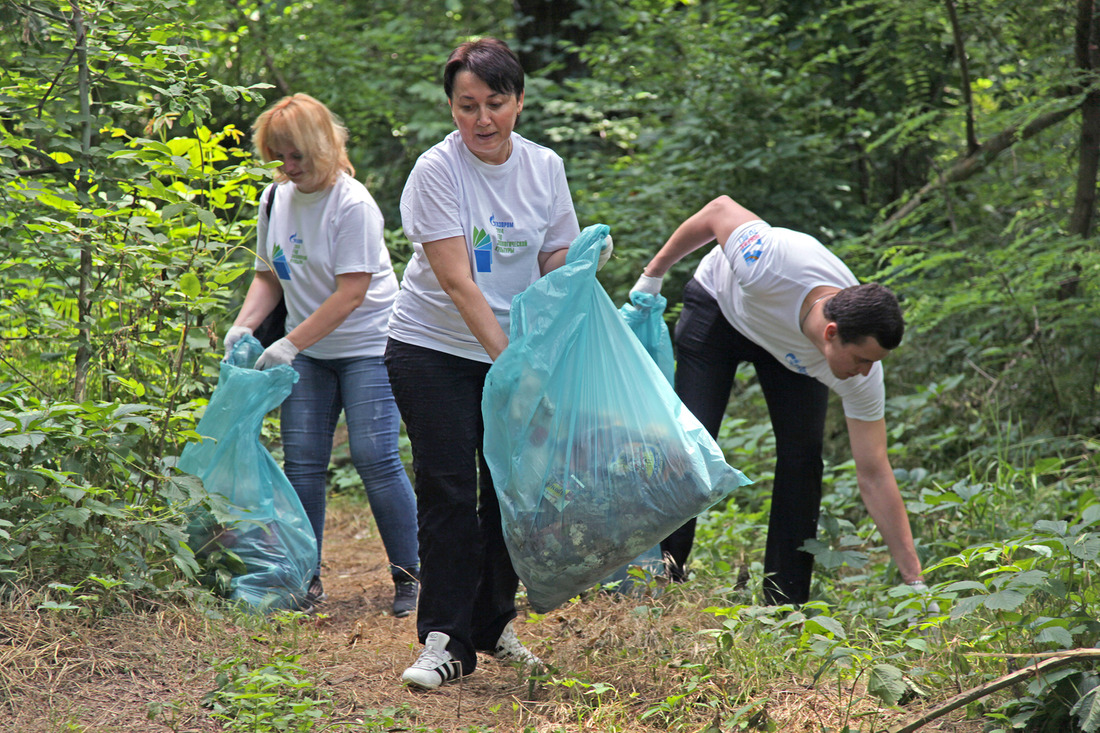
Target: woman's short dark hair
[490,60]
[866,310]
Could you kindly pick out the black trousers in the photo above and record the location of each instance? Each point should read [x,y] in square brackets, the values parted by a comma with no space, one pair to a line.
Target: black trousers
[467,582]
[708,351]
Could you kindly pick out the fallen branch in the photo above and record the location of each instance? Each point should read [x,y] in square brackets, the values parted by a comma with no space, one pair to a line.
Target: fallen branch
[1062,659]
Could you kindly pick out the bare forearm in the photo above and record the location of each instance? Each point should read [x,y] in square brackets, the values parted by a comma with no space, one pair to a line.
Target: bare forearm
[714,222]
[350,291]
[887,509]
[549,261]
[479,317]
[451,265]
[262,297]
[879,490]
[688,237]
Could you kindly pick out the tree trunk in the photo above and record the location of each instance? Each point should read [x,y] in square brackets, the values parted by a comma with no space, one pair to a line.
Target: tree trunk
[1088,59]
[83,186]
[541,25]
[1084,200]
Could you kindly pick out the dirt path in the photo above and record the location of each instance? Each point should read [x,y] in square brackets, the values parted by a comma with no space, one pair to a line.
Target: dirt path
[369,648]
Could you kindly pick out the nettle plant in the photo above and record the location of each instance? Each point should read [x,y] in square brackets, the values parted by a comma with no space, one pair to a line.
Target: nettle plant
[1037,586]
[88,520]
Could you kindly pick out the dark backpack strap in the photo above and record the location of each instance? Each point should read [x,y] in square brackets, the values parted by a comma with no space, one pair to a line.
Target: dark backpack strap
[273,327]
[270,201]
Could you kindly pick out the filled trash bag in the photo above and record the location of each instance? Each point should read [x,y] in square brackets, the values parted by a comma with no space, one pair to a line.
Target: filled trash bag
[269,531]
[644,314]
[594,458]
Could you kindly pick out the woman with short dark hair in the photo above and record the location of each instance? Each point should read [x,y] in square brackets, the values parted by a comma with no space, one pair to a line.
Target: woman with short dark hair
[488,212]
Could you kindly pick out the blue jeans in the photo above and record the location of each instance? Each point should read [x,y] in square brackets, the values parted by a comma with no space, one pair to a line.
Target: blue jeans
[467,582]
[359,387]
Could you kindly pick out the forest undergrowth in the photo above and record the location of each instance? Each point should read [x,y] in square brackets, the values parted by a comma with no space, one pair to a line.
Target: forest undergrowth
[640,662]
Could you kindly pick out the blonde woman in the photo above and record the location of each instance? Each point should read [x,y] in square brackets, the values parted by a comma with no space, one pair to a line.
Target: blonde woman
[322,250]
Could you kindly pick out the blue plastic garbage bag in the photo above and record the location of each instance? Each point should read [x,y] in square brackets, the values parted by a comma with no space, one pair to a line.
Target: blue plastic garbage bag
[645,315]
[593,456]
[270,532]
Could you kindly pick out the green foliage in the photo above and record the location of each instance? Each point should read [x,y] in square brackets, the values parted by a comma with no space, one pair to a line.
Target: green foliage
[126,208]
[86,518]
[387,58]
[120,213]
[278,696]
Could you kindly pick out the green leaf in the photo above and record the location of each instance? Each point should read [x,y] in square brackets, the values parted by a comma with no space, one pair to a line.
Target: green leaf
[1087,710]
[1091,515]
[966,606]
[826,625]
[72,493]
[831,558]
[886,683]
[1004,600]
[1054,527]
[224,277]
[1086,547]
[22,441]
[189,285]
[75,516]
[55,606]
[1055,635]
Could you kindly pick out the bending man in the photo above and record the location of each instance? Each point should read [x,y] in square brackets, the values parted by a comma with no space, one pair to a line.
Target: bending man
[781,301]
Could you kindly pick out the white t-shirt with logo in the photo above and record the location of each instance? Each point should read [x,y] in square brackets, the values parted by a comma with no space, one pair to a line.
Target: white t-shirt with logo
[507,214]
[313,237]
[761,279]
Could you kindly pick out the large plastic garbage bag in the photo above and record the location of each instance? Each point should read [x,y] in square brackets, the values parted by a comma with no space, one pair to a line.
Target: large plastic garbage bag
[593,456]
[645,315]
[268,529]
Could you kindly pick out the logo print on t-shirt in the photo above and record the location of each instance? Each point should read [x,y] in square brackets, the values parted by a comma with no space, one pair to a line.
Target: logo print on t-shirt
[282,269]
[483,250]
[745,241]
[796,364]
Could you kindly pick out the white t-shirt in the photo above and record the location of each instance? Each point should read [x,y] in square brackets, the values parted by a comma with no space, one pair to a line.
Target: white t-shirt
[312,238]
[507,214]
[761,279]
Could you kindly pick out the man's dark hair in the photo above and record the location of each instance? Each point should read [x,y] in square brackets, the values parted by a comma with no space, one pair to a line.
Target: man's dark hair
[866,310]
[490,60]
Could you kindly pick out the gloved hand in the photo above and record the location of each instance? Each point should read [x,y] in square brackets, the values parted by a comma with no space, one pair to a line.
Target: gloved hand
[279,353]
[233,335]
[605,253]
[647,284]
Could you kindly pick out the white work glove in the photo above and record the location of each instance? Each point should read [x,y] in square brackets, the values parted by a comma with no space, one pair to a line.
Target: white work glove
[279,353]
[233,335]
[647,284]
[605,253]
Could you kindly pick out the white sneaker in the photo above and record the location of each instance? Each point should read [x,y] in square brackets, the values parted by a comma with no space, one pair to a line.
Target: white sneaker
[434,666]
[510,649]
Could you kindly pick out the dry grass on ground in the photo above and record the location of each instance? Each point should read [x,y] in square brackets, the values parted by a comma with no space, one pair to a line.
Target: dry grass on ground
[101,677]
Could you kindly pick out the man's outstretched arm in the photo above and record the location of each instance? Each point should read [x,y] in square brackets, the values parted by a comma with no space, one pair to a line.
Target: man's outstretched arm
[879,490]
[715,221]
